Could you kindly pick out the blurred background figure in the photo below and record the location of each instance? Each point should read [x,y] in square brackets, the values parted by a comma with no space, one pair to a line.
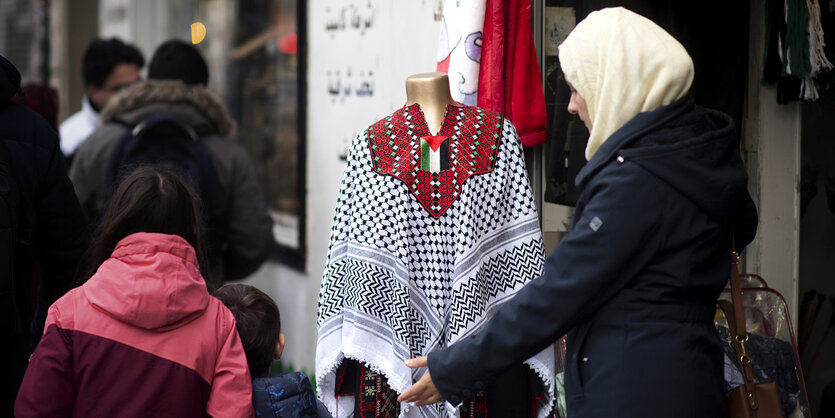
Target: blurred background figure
[237,217]
[42,229]
[109,66]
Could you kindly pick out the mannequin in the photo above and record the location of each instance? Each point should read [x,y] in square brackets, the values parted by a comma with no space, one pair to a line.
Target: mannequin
[431,92]
[400,276]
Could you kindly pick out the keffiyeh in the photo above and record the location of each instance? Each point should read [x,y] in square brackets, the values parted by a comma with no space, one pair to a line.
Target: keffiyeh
[419,259]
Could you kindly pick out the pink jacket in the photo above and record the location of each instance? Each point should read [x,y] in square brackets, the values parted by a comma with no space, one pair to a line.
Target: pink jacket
[141,338]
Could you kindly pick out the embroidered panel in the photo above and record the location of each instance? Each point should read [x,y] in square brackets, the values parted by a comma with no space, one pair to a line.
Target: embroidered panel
[435,167]
[400,282]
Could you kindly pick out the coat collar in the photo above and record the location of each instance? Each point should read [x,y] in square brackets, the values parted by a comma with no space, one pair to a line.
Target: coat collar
[90,115]
[169,93]
[632,130]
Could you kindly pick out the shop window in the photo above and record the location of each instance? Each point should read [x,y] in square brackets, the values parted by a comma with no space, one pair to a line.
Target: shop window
[264,88]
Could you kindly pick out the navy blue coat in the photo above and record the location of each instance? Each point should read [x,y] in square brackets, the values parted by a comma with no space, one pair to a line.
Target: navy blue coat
[634,283]
[287,395]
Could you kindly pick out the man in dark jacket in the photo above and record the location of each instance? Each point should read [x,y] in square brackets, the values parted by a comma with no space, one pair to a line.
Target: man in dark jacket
[59,234]
[177,88]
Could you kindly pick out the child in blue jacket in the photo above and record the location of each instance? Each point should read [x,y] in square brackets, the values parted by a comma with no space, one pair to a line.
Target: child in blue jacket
[259,325]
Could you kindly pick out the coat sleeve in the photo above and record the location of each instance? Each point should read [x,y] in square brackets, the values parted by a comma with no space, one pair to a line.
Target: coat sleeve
[614,238]
[82,176]
[90,165]
[231,394]
[745,225]
[250,236]
[61,232]
[47,389]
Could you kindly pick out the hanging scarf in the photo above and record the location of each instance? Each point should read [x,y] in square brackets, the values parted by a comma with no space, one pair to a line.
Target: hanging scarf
[793,28]
[509,81]
[419,258]
[459,47]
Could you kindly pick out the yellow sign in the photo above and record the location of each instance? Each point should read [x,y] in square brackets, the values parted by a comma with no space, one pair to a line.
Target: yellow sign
[198,32]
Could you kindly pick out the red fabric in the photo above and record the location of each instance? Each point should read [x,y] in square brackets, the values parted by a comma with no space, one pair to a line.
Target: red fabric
[443,66]
[509,81]
[393,141]
[434,141]
[42,99]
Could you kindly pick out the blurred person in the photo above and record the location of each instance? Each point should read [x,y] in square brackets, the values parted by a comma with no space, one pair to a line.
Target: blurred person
[142,336]
[258,320]
[44,232]
[109,65]
[176,88]
[635,281]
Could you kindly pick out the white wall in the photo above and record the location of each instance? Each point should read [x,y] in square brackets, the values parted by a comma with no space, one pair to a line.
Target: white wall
[400,40]
[772,145]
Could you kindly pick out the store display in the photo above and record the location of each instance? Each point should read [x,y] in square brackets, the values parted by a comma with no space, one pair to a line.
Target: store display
[418,258]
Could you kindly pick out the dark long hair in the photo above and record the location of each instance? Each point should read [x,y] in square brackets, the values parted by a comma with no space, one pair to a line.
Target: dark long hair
[149,199]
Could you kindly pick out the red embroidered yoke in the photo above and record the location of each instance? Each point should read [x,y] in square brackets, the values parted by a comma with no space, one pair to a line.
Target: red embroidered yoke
[474,136]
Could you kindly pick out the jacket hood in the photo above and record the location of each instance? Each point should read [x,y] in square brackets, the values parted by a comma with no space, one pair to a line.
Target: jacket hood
[692,149]
[9,79]
[199,105]
[151,281]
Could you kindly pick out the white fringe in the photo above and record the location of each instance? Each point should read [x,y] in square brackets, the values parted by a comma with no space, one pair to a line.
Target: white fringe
[808,89]
[784,59]
[817,56]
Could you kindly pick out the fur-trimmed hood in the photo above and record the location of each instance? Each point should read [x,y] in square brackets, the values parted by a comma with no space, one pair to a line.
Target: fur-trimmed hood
[128,104]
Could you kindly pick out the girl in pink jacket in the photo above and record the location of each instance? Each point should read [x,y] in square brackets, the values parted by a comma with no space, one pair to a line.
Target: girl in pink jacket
[142,337]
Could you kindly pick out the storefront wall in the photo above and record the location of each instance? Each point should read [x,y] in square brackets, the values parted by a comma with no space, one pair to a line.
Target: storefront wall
[359,54]
[771,135]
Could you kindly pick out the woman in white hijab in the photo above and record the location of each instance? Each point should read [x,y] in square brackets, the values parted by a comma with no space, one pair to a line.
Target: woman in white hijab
[634,283]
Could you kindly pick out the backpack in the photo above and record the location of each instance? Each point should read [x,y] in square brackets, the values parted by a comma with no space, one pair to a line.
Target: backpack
[16,258]
[171,144]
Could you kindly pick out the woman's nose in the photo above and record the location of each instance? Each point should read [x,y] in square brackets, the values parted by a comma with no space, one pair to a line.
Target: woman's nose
[571,108]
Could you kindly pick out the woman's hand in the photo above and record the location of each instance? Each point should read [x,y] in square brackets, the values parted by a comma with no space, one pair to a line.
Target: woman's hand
[424,391]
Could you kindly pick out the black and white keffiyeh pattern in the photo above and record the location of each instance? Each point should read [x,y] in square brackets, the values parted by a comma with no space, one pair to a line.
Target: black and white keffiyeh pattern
[399,282]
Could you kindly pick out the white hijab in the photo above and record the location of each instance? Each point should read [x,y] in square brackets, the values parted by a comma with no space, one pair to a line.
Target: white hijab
[623,64]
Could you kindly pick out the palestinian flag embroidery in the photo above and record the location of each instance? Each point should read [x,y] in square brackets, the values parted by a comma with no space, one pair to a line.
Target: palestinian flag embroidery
[435,167]
[434,153]
[419,260]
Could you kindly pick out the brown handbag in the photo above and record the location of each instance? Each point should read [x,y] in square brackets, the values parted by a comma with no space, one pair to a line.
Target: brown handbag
[760,400]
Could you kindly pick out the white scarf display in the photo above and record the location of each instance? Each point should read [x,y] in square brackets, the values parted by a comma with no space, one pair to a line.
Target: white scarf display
[410,270]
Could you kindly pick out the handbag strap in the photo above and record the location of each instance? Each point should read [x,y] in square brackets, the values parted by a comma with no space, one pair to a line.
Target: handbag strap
[735,313]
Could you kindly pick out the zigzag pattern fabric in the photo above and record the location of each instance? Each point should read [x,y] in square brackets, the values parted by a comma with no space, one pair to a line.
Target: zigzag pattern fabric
[400,281]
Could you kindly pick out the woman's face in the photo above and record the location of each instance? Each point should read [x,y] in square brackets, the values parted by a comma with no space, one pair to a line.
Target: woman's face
[577,106]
